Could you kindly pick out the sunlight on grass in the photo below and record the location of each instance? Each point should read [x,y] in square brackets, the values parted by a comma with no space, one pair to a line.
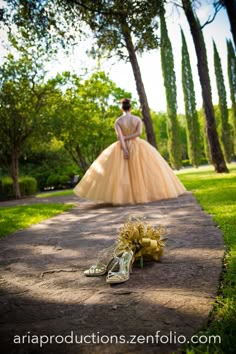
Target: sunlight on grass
[67,192]
[20,217]
[216,193]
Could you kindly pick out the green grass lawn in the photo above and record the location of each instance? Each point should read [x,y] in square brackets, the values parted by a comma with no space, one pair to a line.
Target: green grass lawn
[22,216]
[216,193]
[67,192]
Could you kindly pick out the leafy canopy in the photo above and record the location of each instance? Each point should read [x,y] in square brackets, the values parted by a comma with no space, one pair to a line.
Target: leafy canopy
[63,21]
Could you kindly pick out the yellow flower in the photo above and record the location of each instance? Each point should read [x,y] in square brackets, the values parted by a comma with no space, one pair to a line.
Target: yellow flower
[141,238]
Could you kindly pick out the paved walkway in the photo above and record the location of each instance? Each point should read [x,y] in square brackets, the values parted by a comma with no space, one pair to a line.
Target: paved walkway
[44,291]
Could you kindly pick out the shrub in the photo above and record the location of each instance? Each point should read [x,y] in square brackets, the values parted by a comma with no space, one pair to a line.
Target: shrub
[58,181]
[28,186]
[53,181]
[7,188]
[204,161]
[186,163]
[44,163]
[41,178]
[64,180]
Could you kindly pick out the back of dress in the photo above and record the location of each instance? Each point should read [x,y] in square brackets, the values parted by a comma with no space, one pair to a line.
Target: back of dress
[142,177]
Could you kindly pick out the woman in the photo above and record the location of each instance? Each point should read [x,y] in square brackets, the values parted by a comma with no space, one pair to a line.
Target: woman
[130,170]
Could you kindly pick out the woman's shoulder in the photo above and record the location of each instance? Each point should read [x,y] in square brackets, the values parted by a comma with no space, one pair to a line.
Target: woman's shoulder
[119,120]
[136,118]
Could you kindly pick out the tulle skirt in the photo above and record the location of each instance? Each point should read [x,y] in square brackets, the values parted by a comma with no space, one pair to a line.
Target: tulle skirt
[143,178]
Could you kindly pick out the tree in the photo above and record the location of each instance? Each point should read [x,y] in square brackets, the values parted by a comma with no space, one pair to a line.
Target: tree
[193,127]
[232,85]
[230,6]
[168,73]
[159,122]
[217,156]
[204,140]
[125,24]
[37,23]
[224,119]
[83,117]
[21,100]
[117,25]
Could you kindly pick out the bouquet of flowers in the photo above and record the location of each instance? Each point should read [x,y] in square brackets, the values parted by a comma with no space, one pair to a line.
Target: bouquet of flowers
[144,240]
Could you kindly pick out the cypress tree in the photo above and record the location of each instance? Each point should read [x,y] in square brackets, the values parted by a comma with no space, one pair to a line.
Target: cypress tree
[224,126]
[217,156]
[205,148]
[193,127]
[168,72]
[232,85]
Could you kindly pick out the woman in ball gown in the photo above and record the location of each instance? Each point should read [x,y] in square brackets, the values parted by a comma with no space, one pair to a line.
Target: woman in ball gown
[129,171]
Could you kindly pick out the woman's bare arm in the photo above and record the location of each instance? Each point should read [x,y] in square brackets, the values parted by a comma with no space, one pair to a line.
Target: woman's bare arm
[122,140]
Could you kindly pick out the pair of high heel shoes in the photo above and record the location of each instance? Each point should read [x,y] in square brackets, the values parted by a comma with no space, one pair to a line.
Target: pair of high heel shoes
[118,269]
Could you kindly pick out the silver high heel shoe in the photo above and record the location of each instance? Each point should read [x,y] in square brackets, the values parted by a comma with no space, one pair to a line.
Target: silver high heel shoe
[124,262]
[105,261]
[99,269]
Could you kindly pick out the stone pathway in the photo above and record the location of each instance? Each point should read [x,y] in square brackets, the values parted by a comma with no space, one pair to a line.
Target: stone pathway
[44,291]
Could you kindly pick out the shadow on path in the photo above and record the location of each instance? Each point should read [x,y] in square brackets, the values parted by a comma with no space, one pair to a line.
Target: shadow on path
[44,291]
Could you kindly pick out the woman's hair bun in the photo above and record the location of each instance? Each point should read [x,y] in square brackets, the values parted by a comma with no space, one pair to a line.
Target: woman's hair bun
[126,105]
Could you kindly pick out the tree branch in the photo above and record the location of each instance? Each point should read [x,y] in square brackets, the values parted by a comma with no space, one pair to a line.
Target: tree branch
[176,4]
[218,7]
[96,10]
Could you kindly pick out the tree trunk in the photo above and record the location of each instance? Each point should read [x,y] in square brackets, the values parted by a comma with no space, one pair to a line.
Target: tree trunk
[230,6]
[15,174]
[140,87]
[217,157]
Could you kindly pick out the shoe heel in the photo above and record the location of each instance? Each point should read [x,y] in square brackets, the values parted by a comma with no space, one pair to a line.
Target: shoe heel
[141,262]
[125,268]
[131,266]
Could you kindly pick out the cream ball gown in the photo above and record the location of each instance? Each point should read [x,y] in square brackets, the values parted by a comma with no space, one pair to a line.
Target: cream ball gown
[143,178]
